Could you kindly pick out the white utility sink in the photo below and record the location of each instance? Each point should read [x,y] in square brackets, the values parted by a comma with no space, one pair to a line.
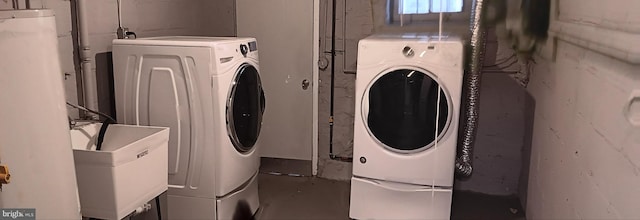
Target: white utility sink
[129,170]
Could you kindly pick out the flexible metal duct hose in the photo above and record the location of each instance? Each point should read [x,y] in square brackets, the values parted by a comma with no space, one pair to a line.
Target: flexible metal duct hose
[472,86]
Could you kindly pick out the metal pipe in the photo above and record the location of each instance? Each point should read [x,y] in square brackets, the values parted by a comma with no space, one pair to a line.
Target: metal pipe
[88,76]
[333,76]
[464,166]
[119,13]
[333,79]
[121,32]
[27,4]
[16,4]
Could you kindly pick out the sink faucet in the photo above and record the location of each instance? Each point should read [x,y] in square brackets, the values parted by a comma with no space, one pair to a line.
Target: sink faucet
[72,123]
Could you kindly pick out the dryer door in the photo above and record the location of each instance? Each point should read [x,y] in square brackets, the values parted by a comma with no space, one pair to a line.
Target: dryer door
[403,110]
[245,107]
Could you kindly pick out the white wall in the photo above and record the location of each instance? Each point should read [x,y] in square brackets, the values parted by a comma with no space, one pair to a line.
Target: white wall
[585,160]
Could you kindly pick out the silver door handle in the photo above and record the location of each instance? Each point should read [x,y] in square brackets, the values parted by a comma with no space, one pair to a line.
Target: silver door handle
[305,84]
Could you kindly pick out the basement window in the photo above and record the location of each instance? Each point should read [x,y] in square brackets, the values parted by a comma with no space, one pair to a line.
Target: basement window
[405,12]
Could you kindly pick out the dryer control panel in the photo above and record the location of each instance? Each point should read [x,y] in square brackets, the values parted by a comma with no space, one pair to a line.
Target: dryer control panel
[253,46]
[246,48]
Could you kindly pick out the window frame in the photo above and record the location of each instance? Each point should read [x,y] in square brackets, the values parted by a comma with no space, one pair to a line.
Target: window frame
[393,15]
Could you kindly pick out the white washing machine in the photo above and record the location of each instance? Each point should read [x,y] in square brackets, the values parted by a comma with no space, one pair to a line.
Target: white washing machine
[407,85]
[207,90]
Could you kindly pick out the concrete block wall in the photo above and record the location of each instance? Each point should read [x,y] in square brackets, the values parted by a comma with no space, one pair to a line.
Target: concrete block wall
[585,159]
[359,25]
[502,128]
[145,17]
[62,12]
[500,139]
[218,18]
[355,20]
[149,18]
[499,144]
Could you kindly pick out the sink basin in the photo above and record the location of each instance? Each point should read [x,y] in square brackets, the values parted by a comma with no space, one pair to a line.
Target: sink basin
[129,170]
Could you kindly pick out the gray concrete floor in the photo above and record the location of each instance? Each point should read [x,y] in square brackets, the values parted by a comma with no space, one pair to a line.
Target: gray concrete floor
[285,197]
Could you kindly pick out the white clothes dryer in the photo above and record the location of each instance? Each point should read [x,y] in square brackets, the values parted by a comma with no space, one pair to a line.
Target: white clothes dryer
[207,90]
[408,94]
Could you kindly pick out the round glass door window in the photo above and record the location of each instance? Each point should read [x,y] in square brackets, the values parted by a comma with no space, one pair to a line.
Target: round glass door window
[245,107]
[403,110]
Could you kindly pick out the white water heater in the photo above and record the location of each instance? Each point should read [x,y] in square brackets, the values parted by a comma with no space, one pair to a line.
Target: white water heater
[34,130]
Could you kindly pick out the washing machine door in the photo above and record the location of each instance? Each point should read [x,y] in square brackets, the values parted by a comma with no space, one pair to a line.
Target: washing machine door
[404,109]
[245,107]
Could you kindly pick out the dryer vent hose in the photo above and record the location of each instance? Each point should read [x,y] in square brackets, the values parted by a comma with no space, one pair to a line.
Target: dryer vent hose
[471,90]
